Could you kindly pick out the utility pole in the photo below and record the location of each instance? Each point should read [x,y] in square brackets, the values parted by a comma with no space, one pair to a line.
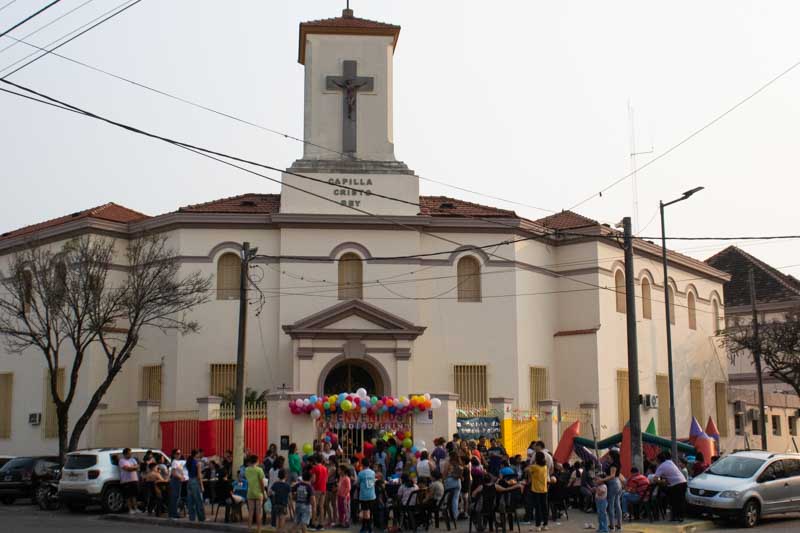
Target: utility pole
[762,422]
[633,351]
[238,416]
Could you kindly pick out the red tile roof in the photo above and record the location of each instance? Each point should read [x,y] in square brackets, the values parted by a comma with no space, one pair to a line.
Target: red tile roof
[567,220]
[443,206]
[772,285]
[244,203]
[110,211]
[347,24]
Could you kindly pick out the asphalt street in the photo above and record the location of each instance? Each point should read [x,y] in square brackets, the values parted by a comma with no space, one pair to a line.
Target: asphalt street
[26,518]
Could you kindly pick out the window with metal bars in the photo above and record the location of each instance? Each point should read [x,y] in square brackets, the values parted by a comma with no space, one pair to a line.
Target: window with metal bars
[6,397]
[696,395]
[664,401]
[540,385]
[229,270]
[151,383]
[470,385]
[223,379]
[50,415]
[721,400]
[623,396]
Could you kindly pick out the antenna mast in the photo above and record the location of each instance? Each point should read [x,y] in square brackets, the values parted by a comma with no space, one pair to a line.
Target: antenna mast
[634,166]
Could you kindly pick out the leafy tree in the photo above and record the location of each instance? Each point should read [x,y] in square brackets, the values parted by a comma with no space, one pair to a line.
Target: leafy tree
[92,298]
[250,396]
[779,343]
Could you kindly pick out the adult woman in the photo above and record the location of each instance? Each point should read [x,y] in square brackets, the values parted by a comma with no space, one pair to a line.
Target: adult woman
[424,468]
[611,478]
[295,464]
[453,471]
[176,479]
[538,478]
[466,476]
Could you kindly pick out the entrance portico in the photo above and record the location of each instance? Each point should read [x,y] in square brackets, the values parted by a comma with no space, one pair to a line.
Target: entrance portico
[353,342]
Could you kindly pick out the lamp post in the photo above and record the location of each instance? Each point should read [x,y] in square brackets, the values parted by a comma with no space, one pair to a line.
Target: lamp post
[673,429]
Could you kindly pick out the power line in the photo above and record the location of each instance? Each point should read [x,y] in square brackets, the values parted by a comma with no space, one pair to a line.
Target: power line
[259,126]
[34,32]
[7,4]
[29,17]
[690,136]
[107,18]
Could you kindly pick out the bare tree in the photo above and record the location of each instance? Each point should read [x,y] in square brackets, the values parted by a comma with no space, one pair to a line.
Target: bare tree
[93,297]
[779,342]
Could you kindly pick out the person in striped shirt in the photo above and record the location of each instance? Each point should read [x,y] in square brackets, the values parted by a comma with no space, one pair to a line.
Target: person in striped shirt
[634,490]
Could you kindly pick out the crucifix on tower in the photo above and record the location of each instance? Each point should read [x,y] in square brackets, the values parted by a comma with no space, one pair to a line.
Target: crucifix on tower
[349,83]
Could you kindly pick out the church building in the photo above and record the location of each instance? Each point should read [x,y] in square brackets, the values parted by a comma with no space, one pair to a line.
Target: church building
[368,284]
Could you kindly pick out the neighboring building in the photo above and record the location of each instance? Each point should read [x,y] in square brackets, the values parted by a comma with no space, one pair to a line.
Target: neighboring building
[441,295]
[776,294]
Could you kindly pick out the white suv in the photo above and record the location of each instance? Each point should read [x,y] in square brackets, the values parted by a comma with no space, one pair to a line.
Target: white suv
[92,476]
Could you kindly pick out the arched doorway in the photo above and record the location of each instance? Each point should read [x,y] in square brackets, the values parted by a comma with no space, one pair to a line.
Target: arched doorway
[352,374]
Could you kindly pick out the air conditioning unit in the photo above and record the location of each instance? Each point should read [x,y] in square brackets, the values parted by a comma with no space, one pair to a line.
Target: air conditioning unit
[739,406]
[650,401]
[34,419]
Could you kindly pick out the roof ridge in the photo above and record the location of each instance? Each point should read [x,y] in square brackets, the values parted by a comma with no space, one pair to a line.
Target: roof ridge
[106,205]
[226,199]
[773,272]
[475,204]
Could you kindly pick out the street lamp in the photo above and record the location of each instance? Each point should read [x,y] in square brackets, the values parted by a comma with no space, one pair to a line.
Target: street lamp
[673,429]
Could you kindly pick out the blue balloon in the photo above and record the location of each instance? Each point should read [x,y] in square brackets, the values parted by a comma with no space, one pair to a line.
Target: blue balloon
[342,396]
[313,398]
[413,449]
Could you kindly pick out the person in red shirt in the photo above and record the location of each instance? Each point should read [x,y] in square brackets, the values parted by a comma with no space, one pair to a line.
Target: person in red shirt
[634,490]
[319,480]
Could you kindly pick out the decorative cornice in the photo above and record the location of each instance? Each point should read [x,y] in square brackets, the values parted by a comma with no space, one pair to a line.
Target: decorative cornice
[569,333]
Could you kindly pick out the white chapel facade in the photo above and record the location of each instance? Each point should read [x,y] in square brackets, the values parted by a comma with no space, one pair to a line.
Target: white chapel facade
[367,283]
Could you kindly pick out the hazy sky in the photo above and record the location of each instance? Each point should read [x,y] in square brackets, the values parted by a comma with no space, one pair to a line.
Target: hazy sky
[525,100]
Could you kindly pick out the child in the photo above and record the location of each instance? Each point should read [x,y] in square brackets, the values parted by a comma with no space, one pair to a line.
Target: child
[601,499]
[343,497]
[279,491]
[303,496]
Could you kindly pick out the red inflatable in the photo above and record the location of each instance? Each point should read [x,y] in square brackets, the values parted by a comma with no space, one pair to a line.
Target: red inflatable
[625,451]
[565,445]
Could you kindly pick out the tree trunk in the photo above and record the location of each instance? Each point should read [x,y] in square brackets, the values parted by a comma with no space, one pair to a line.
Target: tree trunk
[86,416]
[62,415]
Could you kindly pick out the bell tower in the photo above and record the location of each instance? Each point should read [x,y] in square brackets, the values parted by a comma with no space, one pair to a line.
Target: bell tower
[347,120]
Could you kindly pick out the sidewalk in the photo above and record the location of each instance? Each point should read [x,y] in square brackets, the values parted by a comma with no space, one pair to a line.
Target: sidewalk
[575,524]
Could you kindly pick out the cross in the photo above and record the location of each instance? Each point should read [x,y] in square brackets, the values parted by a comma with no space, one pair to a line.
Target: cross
[349,83]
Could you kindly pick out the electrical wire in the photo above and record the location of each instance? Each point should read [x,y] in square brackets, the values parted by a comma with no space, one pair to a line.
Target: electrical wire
[689,137]
[259,126]
[29,17]
[90,28]
[7,4]
[207,153]
[34,32]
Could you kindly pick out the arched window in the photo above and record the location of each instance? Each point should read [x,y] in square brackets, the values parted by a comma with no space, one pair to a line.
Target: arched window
[351,277]
[692,307]
[59,283]
[671,293]
[715,316]
[229,271]
[619,284]
[26,281]
[647,302]
[469,279]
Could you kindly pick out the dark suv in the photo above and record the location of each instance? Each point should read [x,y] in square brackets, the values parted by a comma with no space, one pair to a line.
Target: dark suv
[20,477]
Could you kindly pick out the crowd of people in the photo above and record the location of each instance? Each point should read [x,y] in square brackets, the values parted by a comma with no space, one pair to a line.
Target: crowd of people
[322,487]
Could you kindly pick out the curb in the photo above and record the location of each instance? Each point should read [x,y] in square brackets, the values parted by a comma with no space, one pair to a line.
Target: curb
[692,526]
[209,526]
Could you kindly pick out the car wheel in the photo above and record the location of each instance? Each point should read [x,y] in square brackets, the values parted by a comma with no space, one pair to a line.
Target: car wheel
[9,500]
[76,508]
[113,502]
[750,513]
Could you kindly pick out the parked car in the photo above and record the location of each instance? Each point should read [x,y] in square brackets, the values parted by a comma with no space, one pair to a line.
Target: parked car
[748,485]
[92,477]
[4,459]
[21,476]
